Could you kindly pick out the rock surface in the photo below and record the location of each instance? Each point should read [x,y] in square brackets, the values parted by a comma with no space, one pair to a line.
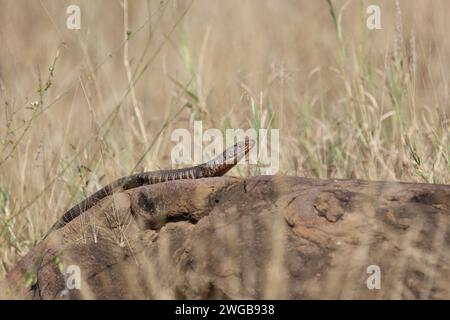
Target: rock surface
[260,237]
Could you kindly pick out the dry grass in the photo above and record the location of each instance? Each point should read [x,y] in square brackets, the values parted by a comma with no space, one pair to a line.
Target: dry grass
[81,108]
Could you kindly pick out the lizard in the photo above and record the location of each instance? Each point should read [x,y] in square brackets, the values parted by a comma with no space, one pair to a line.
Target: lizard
[215,167]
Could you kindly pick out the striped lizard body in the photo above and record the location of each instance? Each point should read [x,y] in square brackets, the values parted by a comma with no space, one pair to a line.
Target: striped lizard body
[218,166]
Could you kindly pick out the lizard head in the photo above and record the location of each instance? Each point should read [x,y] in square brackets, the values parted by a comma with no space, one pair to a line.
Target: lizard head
[229,158]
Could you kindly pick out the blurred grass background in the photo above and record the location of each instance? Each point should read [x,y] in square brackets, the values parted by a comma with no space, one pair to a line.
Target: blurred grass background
[82,108]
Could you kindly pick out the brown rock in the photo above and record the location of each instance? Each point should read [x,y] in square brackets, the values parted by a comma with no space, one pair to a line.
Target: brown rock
[261,237]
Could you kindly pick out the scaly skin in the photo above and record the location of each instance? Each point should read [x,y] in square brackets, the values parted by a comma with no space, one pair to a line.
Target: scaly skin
[213,168]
